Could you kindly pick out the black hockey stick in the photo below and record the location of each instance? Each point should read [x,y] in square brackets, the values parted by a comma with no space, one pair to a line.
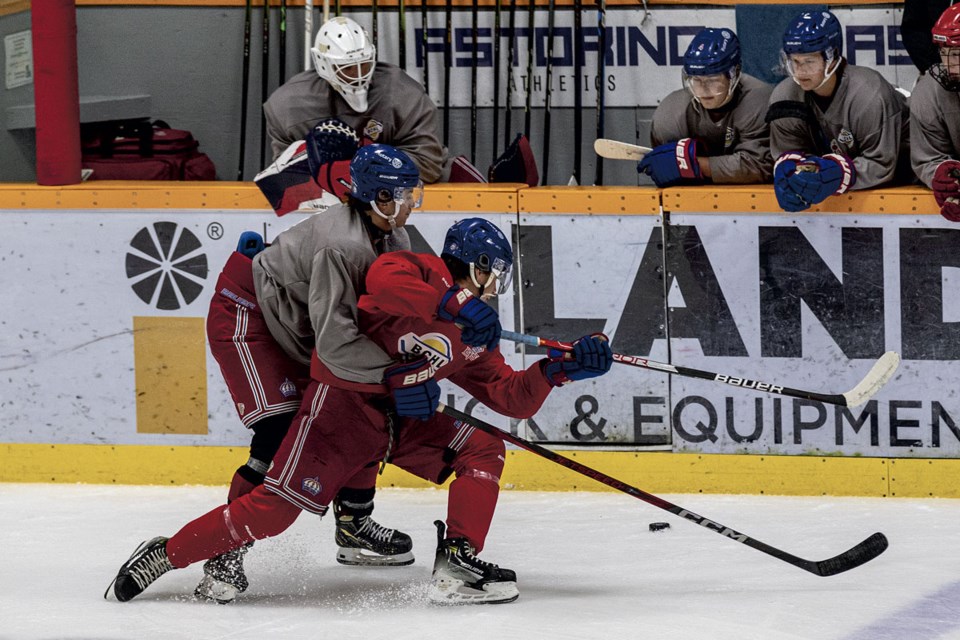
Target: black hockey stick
[531,52]
[283,41]
[447,63]
[860,554]
[601,80]
[374,23]
[402,11]
[882,370]
[496,77]
[245,88]
[264,81]
[425,44]
[475,53]
[546,101]
[511,57]
[577,90]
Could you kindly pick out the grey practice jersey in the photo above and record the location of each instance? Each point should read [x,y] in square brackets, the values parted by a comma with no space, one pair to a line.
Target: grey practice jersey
[308,282]
[934,127]
[867,121]
[738,144]
[399,113]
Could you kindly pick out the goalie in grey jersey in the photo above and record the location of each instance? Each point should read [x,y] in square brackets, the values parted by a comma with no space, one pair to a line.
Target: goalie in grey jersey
[833,126]
[935,118]
[714,128]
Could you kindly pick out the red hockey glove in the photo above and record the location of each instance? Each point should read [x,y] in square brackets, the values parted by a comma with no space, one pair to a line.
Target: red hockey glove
[334,177]
[415,393]
[946,189]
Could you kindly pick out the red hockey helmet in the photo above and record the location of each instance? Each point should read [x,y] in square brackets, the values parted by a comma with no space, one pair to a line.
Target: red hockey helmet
[946,32]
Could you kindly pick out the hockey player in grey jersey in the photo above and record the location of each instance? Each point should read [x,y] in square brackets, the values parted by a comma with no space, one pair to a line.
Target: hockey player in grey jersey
[714,128]
[935,118]
[833,126]
[377,99]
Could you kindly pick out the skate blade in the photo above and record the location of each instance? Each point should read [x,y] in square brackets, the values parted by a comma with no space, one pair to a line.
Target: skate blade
[216,591]
[357,558]
[455,592]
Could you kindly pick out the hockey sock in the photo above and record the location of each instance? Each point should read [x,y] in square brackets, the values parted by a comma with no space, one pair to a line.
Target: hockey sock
[473,495]
[254,516]
[267,436]
[354,502]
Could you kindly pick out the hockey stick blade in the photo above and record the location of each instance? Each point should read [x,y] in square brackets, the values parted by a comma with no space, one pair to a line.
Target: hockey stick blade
[850,559]
[616,150]
[882,371]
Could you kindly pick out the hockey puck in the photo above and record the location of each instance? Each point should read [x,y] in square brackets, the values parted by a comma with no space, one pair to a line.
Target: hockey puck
[659,526]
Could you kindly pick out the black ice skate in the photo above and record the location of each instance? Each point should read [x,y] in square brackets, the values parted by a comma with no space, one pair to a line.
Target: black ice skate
[460,577]
[148,562]
[364,542]
[223,576]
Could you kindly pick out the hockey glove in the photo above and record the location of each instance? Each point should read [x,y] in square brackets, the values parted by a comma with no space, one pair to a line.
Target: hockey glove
[591,357]
[672,163]
[331,145]
[415,393]
[251,243]
[479,324]
[783,170]
[816,178]
[946,189]
[289,185]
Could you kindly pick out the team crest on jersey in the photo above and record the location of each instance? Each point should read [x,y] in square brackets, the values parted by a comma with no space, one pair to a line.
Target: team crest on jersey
[728,138]
[373,130]
[288,389]
[472,353]
[311,486]
[845,138]
[435,346]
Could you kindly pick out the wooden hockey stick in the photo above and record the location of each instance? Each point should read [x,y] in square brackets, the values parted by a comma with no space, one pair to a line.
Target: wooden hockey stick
[857,555]
[616,150]
[879,374]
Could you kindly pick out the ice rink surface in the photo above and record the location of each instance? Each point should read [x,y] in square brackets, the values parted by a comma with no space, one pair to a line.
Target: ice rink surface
[587,566]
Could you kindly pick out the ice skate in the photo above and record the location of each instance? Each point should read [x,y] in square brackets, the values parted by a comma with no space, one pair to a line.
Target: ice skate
[223,576]
[460,577]
[362,541]
[148,562]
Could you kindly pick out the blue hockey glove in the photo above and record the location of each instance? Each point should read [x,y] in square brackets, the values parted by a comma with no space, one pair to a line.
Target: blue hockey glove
[251,243]
[591,357]
[480,326]
[415,393]
[671,163]
[330,140]
[783,170]
[818,178]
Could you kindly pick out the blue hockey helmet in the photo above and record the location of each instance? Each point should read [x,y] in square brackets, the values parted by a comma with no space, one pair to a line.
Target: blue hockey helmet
[712,51]
[813,31]
[480,244]
[381,173]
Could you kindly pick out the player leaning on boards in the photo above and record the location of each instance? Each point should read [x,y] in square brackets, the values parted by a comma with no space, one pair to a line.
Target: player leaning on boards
[833,126]
[713,130]
[428,314]
[273,307]
[376,99]
[935,118]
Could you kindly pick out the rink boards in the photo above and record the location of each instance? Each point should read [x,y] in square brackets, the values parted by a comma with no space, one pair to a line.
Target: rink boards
[107,371]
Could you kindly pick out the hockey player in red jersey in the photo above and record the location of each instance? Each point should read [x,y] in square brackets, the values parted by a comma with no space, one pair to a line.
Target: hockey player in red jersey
[428,314]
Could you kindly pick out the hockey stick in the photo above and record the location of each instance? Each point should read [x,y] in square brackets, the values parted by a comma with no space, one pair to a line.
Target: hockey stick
[475,55]
[307,34]
[402,11]
[601,79]
[531,52]
[245,88]
[447,63]
[374,23]
[425,44]
[264,82]
[862,553]
[879,374]
[497,11]
[577,90]
[547,98]
[616,150]
[283,41]
[511,57]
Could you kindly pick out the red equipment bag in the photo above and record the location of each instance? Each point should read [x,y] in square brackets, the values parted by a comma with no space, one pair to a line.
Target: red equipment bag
[141,150]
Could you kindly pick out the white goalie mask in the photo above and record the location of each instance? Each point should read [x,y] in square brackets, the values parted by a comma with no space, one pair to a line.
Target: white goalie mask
[344,56]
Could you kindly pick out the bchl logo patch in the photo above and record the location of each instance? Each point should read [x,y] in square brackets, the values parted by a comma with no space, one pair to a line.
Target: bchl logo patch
[288,389]
[373,130]
[311,486]
[845,137]
[435,347]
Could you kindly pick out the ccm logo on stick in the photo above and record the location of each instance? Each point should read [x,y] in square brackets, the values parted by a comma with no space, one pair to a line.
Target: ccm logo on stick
[710,524]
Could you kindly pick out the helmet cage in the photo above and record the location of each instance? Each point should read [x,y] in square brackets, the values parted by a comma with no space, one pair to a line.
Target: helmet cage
[344,56]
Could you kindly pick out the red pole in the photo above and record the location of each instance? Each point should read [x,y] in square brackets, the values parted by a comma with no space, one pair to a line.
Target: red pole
[56,92]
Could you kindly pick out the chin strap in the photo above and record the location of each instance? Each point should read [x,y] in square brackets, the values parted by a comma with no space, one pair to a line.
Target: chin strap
[391,219]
